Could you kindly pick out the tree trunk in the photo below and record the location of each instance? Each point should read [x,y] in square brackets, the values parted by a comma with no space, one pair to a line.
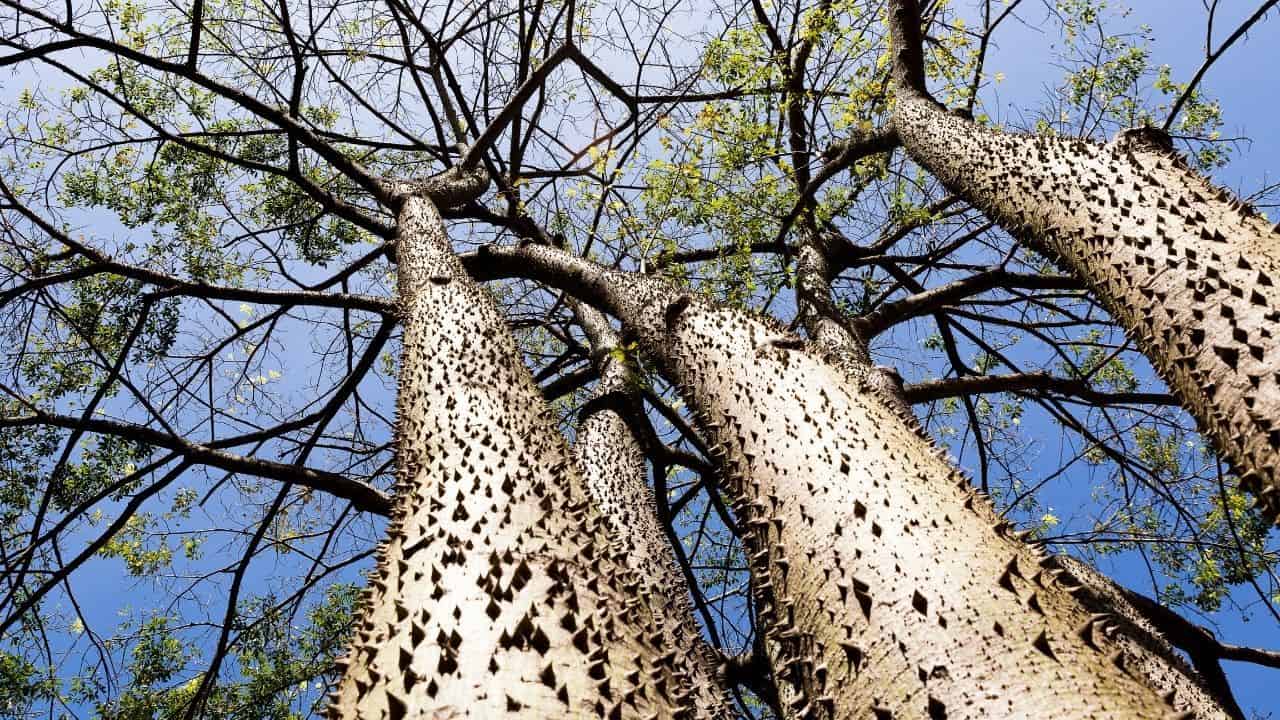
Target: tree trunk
[886,586]
[831,336]
[498,592]
[613,467]
[816,310]
[1146,651]
[1189,271]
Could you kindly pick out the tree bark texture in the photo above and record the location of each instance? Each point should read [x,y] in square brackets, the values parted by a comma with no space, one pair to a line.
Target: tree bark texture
[1145,649]
[614,468]
[816,309]
[831,335]
[1187,270]
[886,587]
[499,591]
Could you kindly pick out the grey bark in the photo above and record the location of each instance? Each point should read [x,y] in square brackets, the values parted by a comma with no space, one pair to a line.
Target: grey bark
[816,309]
[499,591]
[1185,268]
[839,342]
[885,586]
[613,466]
[1142,650]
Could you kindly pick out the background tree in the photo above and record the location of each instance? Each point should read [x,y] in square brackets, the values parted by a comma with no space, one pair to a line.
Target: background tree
[203,341]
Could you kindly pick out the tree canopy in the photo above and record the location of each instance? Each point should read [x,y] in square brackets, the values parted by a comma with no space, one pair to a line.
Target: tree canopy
[198,276]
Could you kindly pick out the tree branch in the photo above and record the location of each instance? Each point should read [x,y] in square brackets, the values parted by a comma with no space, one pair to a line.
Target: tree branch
[907,46]
[1032,382]
[1211,58]
[274,115]
[935,299]
[171,286]
[364,497]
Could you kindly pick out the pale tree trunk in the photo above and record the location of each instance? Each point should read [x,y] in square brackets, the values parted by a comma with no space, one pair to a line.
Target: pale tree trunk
[1143,650]
[1123,617]
[885,586]
[498,592]
[613,468]
[1188,271]
[816,309]
[831,335]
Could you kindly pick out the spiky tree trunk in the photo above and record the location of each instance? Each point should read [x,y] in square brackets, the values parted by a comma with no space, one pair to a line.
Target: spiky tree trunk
[830,334]
[498,592]
[886,586]
[1185,268]
[1141,648]
[822,321]
[613,467]
[1145,650]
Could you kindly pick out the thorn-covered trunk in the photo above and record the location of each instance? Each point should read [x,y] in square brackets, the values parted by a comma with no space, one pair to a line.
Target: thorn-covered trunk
[885,586]
[1147,652]
[816,308]
[831,336]
[1189,271]
[499,591]
[613,467]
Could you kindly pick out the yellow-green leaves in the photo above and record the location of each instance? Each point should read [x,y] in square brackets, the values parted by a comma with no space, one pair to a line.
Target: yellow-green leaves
[1199,117]
[136,546]
[739,59]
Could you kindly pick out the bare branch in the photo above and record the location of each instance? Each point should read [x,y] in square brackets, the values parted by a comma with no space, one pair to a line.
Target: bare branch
[364,497]
[1212,57]
[1028,383]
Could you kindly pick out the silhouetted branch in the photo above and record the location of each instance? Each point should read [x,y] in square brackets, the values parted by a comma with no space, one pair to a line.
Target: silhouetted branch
[1211,57]
[1024,383]
[365,497]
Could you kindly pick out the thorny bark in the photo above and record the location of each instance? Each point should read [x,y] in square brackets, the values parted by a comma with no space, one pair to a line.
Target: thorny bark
[885,586]
[1145,649]
[499,592]
[613,467]
[1188,270]
[831,335]
[815,306]
[1201,646]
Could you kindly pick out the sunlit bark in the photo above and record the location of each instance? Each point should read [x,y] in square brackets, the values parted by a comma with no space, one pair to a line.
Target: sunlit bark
[499,591]
[1188,270]
[613,468]
[885,586]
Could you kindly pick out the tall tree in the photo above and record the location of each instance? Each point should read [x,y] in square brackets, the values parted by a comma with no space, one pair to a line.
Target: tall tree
[500,590]
[245,341]
[1186,268]
[613,467]
[836,491]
